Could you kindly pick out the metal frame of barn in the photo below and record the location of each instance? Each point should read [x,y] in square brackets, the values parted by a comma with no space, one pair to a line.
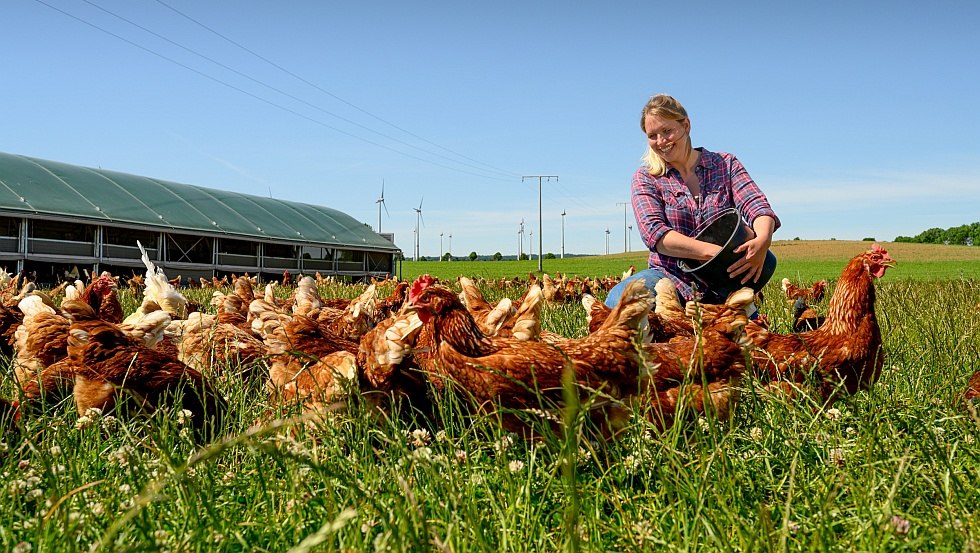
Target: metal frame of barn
[55,217]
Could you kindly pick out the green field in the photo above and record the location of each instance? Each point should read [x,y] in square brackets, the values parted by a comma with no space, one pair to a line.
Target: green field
[798,260]
[894,468]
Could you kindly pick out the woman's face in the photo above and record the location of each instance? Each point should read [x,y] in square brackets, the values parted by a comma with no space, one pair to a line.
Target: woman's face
[667,137]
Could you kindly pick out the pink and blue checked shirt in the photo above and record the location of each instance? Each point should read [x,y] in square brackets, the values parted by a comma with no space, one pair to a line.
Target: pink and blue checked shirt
[664,203]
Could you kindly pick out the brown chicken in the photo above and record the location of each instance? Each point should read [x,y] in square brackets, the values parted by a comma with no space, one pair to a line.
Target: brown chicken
[107,363]
[101,294]
[667,320]
[527,375]
[490,317]
[210,344]
[393,303]
[712,358]
[812,294]
[846,350]
[309,365]
[805,317]
[40,342]
[973,387]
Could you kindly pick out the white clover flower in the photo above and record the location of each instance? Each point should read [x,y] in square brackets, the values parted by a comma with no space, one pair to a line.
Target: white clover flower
[631,463]
[74,516]
[643,531]
[419,437]
[55,450]
[58,469]
[583,455]
[84,422]
[703,424]
[850,431]
[160,536]
[793,527]
[22,547]
[36,493]
[516,465]
[184,417]
[442,437]
[125,489]
[504,443]
[756,434]
[228,477]
[121,456]
[368,525]
[833,414]
[96,509]
[461,455]
[422,453]
[109,422]
[93,412]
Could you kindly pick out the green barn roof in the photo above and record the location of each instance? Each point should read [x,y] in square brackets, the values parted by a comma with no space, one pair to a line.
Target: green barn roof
[37,187]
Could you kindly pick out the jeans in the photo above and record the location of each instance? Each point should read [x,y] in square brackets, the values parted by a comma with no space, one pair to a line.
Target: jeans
[650,278]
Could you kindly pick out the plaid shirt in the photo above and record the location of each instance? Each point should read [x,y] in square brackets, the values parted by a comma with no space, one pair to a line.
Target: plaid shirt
[662,204]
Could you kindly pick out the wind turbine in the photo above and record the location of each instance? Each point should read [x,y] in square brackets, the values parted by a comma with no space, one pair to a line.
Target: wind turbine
[381,202]
[418,222]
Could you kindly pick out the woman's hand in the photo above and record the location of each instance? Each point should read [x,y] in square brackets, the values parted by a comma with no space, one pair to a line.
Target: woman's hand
[750,265]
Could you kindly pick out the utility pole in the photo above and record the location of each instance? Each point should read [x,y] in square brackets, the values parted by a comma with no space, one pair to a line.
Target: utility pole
[440,246]
[520,241]
[563,234]
[607,240]
[530,244]
[629,244]
[450,246]
[540,237]
[626,247]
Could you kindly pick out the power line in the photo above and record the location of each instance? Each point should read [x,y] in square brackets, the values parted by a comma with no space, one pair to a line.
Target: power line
[273,88]
[261,99]
[327,92]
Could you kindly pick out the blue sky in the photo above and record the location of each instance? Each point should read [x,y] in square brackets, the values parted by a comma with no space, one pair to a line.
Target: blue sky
[858,119]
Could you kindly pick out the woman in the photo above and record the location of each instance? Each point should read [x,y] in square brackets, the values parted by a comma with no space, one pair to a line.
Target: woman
[677,190]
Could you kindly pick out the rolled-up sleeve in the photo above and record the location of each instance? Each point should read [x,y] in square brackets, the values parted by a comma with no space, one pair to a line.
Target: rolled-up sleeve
[748,197]
[648,208]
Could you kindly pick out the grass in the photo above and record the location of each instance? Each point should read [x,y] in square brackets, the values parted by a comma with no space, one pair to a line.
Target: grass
[894,468]
[799,260]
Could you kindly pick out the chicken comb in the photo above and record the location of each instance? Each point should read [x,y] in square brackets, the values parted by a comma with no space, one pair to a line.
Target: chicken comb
[421,283]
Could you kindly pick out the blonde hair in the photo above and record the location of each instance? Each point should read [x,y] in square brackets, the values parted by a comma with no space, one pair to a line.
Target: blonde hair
[661,105]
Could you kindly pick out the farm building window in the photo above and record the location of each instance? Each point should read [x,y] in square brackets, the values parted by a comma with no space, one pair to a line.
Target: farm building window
[237,252]
[128,237]
[183,248]
[56,230]
[280,256]
[318,253]
[58,238]
[350,260]
[9,227]
[238,247]
[120,243]
[9,234]
[379,262]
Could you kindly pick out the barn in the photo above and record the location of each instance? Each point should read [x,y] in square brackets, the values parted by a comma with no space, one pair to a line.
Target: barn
[58,220]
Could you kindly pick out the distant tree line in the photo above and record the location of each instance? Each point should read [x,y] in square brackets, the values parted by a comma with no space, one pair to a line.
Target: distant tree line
[963,235]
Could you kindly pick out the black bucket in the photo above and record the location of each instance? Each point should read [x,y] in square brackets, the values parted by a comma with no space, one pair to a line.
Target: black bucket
[729,231]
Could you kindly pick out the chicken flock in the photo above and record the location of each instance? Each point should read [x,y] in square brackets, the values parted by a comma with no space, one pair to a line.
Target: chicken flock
[648,355]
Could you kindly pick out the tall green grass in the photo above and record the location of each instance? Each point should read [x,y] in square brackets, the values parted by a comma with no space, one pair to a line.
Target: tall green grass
[894,468]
